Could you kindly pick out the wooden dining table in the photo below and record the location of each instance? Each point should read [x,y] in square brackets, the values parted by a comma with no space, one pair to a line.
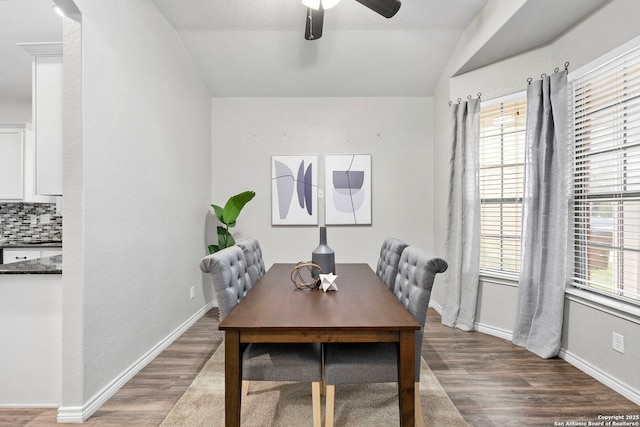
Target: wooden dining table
[362,310]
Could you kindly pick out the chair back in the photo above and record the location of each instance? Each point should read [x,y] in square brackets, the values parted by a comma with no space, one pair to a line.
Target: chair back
[231,282]
[255,263]
[390,253]
[413,284]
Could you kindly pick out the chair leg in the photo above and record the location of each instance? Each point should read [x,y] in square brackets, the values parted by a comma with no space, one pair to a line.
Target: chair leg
[245,388]
[315,398]
[329,400]
[418,411]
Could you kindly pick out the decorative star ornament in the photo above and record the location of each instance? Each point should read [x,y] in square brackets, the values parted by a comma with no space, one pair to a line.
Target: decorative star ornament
[327,282]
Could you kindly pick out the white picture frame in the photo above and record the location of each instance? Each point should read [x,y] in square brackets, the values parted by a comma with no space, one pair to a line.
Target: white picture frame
[348,189]
[294,190]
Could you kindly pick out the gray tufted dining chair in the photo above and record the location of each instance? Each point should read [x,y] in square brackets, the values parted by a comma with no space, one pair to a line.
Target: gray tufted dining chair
[255,263]
[387,267]
[359,363]
[263,362]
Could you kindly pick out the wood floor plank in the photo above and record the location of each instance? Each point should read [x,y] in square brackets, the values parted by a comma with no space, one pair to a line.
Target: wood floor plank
[495,383]
[491,381]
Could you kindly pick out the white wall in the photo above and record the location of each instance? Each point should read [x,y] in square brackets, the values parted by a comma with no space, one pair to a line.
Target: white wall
[30,333]
[587,325]
[138,179]
[397,132]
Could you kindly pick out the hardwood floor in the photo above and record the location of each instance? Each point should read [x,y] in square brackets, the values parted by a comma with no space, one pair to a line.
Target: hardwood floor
[491,382]
[495,383]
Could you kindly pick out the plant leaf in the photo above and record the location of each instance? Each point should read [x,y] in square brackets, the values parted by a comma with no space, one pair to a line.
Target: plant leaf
[225,239]
[219,213]
[234,205]
[213,249]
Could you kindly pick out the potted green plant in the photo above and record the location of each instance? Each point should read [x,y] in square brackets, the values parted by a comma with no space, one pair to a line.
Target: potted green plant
[228,216]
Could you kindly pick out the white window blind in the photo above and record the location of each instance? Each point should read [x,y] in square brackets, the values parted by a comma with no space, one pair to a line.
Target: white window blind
[606,177]
[501,151]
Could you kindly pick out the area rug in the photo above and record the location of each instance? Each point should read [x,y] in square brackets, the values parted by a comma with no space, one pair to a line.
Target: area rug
[289,404]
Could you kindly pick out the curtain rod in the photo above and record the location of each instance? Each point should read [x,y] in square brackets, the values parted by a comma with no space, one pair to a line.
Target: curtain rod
[468,97]
[543,75]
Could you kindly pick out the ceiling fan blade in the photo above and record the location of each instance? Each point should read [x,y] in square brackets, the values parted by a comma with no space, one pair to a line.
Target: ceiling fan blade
[315,18]
[386,8]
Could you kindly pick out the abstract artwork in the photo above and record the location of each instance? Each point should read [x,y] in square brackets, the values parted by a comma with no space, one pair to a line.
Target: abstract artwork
[348,189]
[294,190]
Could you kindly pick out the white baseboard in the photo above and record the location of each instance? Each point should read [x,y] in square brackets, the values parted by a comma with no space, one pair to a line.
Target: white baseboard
[28,406]
[437,307]
[613,383]
[493,331]
[79,414]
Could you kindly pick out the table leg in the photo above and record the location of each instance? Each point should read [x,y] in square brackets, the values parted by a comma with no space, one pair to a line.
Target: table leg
[232,378]
[406,378]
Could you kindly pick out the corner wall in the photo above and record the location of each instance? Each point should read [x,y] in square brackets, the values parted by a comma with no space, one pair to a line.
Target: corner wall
[137,185]
[588,322]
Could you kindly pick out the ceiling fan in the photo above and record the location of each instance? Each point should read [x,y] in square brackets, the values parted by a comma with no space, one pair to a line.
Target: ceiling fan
[316,8]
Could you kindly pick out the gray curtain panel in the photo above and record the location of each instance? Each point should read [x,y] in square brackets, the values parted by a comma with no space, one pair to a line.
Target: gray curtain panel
[545,218]
[463,208]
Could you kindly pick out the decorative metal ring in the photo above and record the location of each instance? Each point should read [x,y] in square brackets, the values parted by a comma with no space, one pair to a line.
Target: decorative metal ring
[529,80]
[479,94]
[305,283]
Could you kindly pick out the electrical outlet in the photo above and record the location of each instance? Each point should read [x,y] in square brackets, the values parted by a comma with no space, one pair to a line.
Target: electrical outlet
[193,292]
[618,342]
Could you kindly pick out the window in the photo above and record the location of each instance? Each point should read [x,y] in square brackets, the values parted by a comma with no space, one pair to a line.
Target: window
[501,151]
[606,177]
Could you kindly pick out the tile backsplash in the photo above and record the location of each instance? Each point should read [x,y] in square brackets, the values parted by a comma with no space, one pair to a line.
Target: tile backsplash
[30,222]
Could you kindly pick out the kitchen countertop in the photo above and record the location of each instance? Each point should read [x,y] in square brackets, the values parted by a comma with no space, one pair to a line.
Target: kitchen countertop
[8,244]
[49,265]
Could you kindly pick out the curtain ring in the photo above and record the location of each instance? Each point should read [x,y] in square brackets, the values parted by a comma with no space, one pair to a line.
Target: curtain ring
[555,70]
[459,99]
[450,103]
[529,80]
[468,96]
[479,94]
[543,75]
[566,65]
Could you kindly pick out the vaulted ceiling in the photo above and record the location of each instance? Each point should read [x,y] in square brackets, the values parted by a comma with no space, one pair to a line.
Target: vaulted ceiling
[255,48]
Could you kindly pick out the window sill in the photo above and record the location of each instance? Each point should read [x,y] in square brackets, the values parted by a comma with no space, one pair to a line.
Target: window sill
[499,279]
[624,310]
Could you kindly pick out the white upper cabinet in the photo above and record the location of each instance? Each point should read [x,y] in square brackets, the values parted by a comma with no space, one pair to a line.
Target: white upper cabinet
[12,143]
[17,164]
[47,115]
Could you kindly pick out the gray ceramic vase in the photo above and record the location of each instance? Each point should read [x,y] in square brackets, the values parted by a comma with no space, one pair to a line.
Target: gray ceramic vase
[323,255]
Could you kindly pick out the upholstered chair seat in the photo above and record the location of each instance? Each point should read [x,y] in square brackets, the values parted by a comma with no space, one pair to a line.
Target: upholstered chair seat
[356,363]
[262,362]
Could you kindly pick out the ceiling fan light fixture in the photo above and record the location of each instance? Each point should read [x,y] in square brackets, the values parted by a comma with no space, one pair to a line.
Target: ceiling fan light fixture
[315,4]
